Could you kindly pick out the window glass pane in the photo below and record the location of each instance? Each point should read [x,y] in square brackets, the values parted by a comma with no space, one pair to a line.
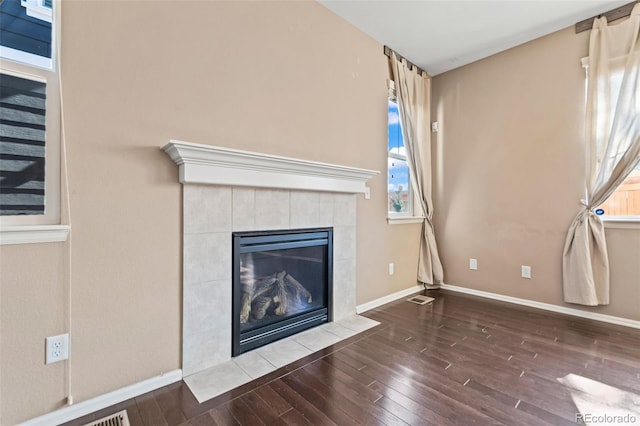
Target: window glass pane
[399,196]
[22,146]
[399,189]
[396,143]
[25,32]
[625,201]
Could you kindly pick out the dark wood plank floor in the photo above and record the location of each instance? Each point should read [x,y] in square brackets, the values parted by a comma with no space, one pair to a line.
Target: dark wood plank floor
[461,360]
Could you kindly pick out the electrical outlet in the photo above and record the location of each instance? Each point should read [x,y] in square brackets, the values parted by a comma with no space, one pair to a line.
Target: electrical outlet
[391,269]
[57,348]
[473,264]
[525,271]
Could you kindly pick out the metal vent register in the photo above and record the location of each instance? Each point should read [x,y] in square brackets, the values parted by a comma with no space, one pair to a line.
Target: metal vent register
[117,419]
[420,300]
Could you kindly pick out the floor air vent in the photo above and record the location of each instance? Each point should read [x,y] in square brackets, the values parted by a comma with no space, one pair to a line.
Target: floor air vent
[117,419]
[420,300]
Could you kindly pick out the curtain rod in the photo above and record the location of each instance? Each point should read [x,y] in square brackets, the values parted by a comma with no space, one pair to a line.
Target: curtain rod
[387,51]
[612,15]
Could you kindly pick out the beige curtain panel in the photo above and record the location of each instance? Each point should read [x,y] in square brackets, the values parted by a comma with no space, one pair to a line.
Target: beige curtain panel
[613,150]
[413,92]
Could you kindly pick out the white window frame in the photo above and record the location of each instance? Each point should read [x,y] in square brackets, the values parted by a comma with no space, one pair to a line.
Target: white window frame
[25,58]
[24,229]
[414,212]
[615,222]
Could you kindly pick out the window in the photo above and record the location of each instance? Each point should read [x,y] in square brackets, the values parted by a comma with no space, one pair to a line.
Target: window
[624,203]
[402,207]
[29,123]
[26,34]
[400,197]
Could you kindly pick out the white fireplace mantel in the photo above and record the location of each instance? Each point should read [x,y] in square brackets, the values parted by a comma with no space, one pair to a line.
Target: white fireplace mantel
[224,166]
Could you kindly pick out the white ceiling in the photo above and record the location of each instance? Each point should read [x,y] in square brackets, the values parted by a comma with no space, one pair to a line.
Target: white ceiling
[439,35]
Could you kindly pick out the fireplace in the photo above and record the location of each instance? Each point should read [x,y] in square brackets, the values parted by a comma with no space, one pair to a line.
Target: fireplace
[227,191]
[282,284]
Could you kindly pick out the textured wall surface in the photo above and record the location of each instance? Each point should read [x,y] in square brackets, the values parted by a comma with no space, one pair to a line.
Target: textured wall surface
[283,78]
[509,170]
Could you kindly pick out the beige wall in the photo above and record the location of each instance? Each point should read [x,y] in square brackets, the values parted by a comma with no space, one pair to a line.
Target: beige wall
[276,77]
[289,79]
[509,170]
[32,306]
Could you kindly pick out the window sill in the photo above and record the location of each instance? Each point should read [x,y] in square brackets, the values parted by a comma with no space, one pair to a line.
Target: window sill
[621,222]
[33,234]
[404,220]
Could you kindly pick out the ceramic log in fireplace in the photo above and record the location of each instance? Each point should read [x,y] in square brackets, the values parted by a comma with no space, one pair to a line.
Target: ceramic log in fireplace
[282,284]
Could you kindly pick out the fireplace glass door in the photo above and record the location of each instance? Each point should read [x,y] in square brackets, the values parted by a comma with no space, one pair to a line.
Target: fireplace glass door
[281,284]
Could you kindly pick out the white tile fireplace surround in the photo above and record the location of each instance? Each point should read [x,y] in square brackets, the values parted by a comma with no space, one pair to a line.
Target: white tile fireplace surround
[229,190]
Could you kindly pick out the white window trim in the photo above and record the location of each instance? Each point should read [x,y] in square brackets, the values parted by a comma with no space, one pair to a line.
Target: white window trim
[621,222]
[11,235]
[25,58]
[405,220]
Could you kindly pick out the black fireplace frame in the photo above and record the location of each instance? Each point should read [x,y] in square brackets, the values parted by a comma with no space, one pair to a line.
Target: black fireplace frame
[254,241]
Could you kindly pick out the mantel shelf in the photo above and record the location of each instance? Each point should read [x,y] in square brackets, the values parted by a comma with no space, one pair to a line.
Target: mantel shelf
[206,164]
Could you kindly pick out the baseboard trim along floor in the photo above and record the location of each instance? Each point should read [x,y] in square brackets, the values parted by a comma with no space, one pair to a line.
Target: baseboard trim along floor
[495,296]
[546,306]
[83,408]
[219,379]
[388,298]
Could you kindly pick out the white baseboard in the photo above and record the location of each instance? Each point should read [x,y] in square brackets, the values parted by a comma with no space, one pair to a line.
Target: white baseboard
[546,306]
[89,406]
[389,298]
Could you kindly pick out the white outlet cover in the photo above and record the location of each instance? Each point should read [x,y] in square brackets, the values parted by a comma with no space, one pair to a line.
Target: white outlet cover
[473,264]
[391,269]
[57,348]
[525,271]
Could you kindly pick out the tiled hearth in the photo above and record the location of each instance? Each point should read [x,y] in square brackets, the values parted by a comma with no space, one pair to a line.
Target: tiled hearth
[226,191]
[242,369]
